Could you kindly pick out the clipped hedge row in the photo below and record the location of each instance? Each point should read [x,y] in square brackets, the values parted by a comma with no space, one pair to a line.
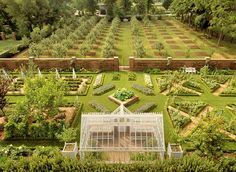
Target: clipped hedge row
[103,89]
[77,117]
[59,163]
[144,90]
[146,107]
[98,107]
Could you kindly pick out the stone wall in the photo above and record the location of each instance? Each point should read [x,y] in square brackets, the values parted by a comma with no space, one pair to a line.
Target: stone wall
[109,64]
[138,64]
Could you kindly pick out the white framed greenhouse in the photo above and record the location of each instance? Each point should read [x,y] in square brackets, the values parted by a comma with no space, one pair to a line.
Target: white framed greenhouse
[119,136]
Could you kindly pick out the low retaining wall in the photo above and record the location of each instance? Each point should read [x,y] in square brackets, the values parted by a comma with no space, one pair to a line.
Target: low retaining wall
[140,64]
[109,64]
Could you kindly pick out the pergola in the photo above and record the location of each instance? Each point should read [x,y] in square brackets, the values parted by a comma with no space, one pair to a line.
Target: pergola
[122,132]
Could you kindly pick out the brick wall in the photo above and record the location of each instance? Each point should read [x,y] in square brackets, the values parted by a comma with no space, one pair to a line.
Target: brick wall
[163,64]
[110,64]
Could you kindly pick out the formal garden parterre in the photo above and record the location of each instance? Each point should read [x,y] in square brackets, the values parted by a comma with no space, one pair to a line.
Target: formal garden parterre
[180,109]
[117,81]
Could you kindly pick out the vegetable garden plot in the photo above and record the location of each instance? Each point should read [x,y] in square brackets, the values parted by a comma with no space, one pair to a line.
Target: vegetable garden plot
[214,81]
[179,121]
[231,89]
[193,108]
[181,91]
[191,84]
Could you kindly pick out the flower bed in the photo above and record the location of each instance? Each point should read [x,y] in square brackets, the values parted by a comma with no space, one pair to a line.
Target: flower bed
[103,89]
[98,107]
[98,81]
[148,81]
[144,90]
[146,107]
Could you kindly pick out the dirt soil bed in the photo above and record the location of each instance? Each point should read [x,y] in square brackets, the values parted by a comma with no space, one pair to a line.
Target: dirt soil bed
[176,47]
[158,54]
[175,148]
[171,42]
[193,47]
[167,37]
[69,147]
[201,54]
[180,53]
[188,41]
[183,37]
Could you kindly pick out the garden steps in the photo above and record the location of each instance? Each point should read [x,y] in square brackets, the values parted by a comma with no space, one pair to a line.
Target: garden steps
[221,89]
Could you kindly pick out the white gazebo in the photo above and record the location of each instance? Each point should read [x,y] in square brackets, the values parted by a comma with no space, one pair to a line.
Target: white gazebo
[121,134]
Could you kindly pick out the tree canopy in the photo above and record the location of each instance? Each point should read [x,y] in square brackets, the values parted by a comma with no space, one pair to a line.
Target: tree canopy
[214,15]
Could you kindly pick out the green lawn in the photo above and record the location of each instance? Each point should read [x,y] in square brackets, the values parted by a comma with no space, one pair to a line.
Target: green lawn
[8,44]
[207,97]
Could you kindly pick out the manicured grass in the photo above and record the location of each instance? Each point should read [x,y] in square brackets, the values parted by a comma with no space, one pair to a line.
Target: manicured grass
[124,43]
[8,44]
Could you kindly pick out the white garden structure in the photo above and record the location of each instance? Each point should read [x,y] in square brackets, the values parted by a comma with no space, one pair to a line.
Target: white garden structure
[122,133]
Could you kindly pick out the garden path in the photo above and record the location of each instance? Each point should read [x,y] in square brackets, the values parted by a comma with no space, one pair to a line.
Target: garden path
[221,89]
[195,120]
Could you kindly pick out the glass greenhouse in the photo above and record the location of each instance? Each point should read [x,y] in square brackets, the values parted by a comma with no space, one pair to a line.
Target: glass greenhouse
[122,134]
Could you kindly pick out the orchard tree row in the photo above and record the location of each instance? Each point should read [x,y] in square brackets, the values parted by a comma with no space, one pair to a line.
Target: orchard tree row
[108,49]
[92,37]
[62,39]
[137,38]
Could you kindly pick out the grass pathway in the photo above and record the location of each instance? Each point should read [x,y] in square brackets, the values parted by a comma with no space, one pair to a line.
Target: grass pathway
[124,43]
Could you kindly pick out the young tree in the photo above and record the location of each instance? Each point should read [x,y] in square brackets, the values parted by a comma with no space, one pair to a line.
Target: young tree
[36,50]
[160,46]
[207,138]
[68,135]
[59,50]
[44,96]
[36,36]
[4,87]
[25,41]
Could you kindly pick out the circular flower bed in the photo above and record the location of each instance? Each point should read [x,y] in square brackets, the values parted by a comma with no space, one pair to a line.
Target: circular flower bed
[123,94]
